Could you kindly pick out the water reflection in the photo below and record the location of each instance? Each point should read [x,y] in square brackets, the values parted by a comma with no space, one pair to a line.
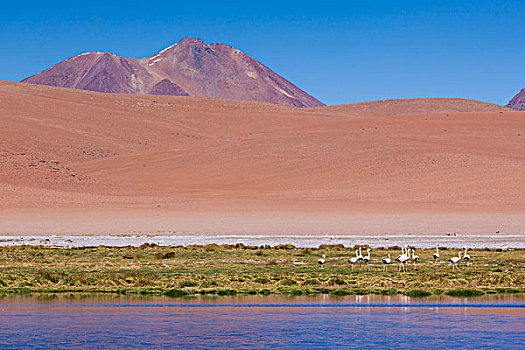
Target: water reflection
[109,299]
[319,322]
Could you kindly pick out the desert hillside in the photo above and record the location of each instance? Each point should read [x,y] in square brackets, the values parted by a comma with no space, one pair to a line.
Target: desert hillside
[78,149]
[386,108]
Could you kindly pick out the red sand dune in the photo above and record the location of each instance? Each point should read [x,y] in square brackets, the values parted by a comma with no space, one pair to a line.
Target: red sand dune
[387,108]
[244,166]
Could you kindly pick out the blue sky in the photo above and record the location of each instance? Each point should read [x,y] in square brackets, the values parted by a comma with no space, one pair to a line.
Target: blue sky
[339,51]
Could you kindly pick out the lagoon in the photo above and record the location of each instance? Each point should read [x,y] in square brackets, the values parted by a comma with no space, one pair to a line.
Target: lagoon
[319,322]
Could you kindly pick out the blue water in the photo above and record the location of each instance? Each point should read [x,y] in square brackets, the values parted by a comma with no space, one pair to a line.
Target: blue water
[276,323]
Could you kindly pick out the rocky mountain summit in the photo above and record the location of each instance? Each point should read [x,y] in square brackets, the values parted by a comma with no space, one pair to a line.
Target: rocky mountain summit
[188,68]
[518,101]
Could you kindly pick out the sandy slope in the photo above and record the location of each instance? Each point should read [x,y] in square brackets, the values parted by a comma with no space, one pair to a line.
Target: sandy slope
[218,165]
[386,108]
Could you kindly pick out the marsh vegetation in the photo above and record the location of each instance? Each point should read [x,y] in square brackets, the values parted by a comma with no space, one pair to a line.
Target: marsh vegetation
[237,269]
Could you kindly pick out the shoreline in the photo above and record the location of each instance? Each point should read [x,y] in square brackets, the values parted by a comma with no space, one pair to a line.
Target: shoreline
[412,294]
[459,241]
[500,301]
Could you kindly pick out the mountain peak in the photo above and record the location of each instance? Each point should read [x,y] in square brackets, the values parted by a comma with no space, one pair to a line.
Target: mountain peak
[191,40]
[187,68]
[518,101]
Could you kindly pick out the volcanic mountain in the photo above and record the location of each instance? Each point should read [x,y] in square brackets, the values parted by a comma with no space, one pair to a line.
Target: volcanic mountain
[518,102]
[188,68]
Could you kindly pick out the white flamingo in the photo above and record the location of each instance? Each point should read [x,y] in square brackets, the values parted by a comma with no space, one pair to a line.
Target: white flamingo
[360,256]
[387,261]
[366,259]
[403,258]
[415,258]
[466,257]
[455,260]
[398,259]
[402,253]
[322,261]
[353,260]
[436,255]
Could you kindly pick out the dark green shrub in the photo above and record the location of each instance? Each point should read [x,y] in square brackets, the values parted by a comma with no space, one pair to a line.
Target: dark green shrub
[342,292]
[227,292]
[463,292]
[360,291]
[175,293]
[389,291]
[510,290]
[300,291]
[417,293]
[149,291]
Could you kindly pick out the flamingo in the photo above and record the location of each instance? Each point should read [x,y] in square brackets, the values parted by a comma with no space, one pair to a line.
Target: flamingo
[415,258]
[387,261]
[353,260]
[455,260]
[436,255]
[366,259]
[466,257]
[400,255]
[360,256]
[403,258]
[321,261]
